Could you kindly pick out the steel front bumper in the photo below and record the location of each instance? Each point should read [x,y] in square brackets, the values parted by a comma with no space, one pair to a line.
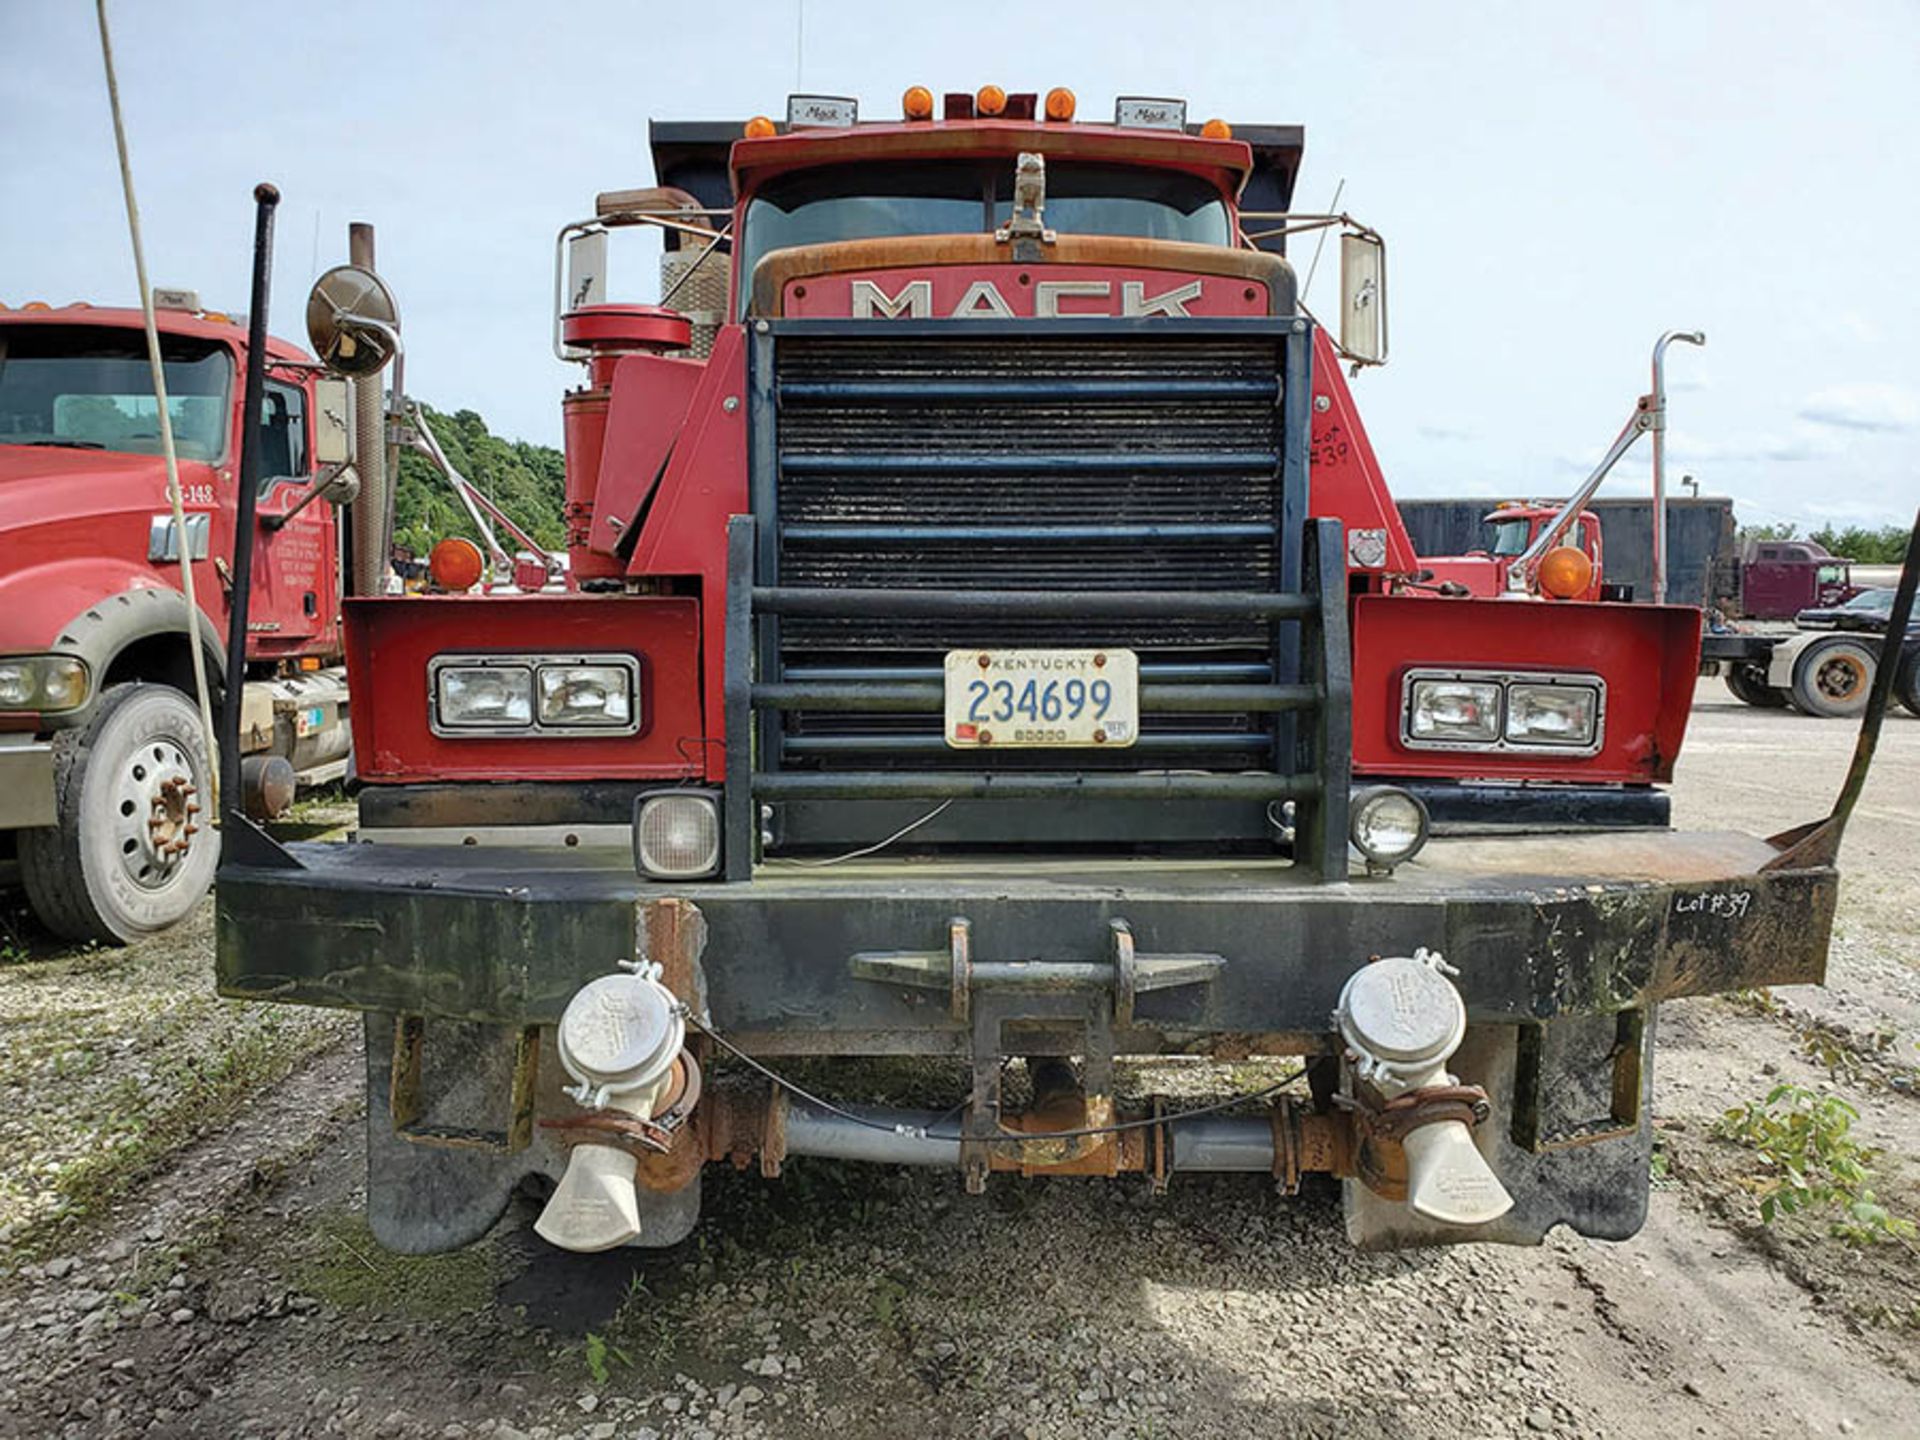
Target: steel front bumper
[1225,957]
[26,784]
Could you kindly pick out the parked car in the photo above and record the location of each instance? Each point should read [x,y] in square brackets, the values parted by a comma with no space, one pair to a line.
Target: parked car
[1866,611]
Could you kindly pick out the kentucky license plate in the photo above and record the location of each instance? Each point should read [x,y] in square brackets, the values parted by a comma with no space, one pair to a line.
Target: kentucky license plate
[1029,699]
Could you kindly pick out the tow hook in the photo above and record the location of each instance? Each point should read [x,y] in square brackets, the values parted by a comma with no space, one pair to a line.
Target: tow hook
[1401,1020]
[619,1039]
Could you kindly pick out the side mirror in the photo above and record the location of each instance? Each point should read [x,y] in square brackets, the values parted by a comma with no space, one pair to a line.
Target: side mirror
[1363,298]
[332,422]
[352,321]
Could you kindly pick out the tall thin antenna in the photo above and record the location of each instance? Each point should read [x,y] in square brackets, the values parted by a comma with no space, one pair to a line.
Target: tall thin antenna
[799,43]
[1321,243]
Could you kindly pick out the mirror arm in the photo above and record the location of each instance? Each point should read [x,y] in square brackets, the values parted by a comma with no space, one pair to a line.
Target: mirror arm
[328,479]
[1520,571]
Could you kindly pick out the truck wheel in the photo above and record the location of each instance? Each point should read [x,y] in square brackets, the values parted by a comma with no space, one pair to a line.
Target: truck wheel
[1748,683]
[133,850]
[1832,679]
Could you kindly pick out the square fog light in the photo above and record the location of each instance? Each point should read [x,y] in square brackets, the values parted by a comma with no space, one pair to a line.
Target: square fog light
[676,834]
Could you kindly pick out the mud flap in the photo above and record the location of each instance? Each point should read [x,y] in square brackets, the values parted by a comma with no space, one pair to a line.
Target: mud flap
[424,1197]
[1571,1134]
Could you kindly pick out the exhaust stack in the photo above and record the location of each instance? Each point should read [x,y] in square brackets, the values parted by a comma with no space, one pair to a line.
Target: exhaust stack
[372,514]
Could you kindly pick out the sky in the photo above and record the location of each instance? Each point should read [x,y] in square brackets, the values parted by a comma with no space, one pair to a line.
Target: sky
[1558,184]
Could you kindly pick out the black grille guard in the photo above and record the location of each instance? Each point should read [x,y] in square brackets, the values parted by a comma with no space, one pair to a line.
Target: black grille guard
[1302,702]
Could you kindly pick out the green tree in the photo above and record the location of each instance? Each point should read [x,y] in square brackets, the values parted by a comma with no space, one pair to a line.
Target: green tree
[526,481]
[1883,545]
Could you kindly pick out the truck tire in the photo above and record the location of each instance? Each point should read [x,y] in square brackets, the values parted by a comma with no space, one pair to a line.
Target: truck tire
[1832,678]
[132,851]
[1906,685]
[1748,682]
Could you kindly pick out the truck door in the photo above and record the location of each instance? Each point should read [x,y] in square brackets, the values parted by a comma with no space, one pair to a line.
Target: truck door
[294,607]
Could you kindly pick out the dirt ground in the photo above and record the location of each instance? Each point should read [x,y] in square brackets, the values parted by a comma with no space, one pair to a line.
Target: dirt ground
[211,1275]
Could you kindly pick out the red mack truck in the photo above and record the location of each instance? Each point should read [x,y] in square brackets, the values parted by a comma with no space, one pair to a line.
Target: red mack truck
[991,638]
[105,777]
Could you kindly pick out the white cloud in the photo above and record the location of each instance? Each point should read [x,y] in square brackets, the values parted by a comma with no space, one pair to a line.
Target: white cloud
[1864,405]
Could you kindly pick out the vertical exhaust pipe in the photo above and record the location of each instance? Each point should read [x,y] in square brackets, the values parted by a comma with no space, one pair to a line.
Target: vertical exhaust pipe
[372,515]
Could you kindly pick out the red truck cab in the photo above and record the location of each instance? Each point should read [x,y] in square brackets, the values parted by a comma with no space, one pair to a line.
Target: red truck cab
[1515,527]
[105,783]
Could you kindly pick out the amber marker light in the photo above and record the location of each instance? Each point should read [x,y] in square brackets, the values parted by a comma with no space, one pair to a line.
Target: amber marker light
[1216,130]
[456,564]
[759,128]
[990,100]
[1565,572]
[917,103]
[1060,103]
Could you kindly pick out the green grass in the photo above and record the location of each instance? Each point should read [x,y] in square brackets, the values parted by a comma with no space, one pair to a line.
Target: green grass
[112,1060]
[340,1263]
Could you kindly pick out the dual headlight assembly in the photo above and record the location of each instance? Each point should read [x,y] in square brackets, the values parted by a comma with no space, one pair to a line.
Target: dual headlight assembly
[473,696]
[47,683]
[1494,712]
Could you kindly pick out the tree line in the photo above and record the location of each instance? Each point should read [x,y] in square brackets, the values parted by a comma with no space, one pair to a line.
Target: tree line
[1867,545]
[526,481]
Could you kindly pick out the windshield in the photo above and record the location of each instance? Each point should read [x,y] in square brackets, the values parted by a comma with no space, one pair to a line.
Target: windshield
[1510,536]
[1877,601]
[91,388]
[959,197]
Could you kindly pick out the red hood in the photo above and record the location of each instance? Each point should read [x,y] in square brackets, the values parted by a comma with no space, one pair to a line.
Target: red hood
[74,528]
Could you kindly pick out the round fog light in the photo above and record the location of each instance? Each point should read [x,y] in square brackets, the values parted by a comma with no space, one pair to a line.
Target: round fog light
[676,835]
[1388,826]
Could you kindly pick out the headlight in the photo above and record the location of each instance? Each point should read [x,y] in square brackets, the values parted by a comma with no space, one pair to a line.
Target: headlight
[484,697]
[1462,711]
[591,695]
[1388,825]
[1495,711]
[535,695]
[48,683]
[1553,715]
[676,835]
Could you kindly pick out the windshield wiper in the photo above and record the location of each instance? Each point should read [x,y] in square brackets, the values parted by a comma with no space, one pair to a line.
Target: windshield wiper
[63,444]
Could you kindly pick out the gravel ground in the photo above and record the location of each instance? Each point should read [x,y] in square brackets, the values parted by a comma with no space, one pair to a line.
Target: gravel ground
[233,1289]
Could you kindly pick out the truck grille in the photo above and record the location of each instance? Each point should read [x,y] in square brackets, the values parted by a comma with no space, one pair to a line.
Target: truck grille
[1140,460]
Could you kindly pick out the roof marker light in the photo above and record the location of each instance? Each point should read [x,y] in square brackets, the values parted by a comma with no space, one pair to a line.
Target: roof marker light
[1060,103]
[759,128]
[990,100]
[1216,130]
[917,103]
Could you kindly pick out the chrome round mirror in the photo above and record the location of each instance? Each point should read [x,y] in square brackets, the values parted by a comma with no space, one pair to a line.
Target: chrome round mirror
[352,322]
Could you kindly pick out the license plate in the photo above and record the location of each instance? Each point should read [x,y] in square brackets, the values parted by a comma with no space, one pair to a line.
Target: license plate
[1033,699]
